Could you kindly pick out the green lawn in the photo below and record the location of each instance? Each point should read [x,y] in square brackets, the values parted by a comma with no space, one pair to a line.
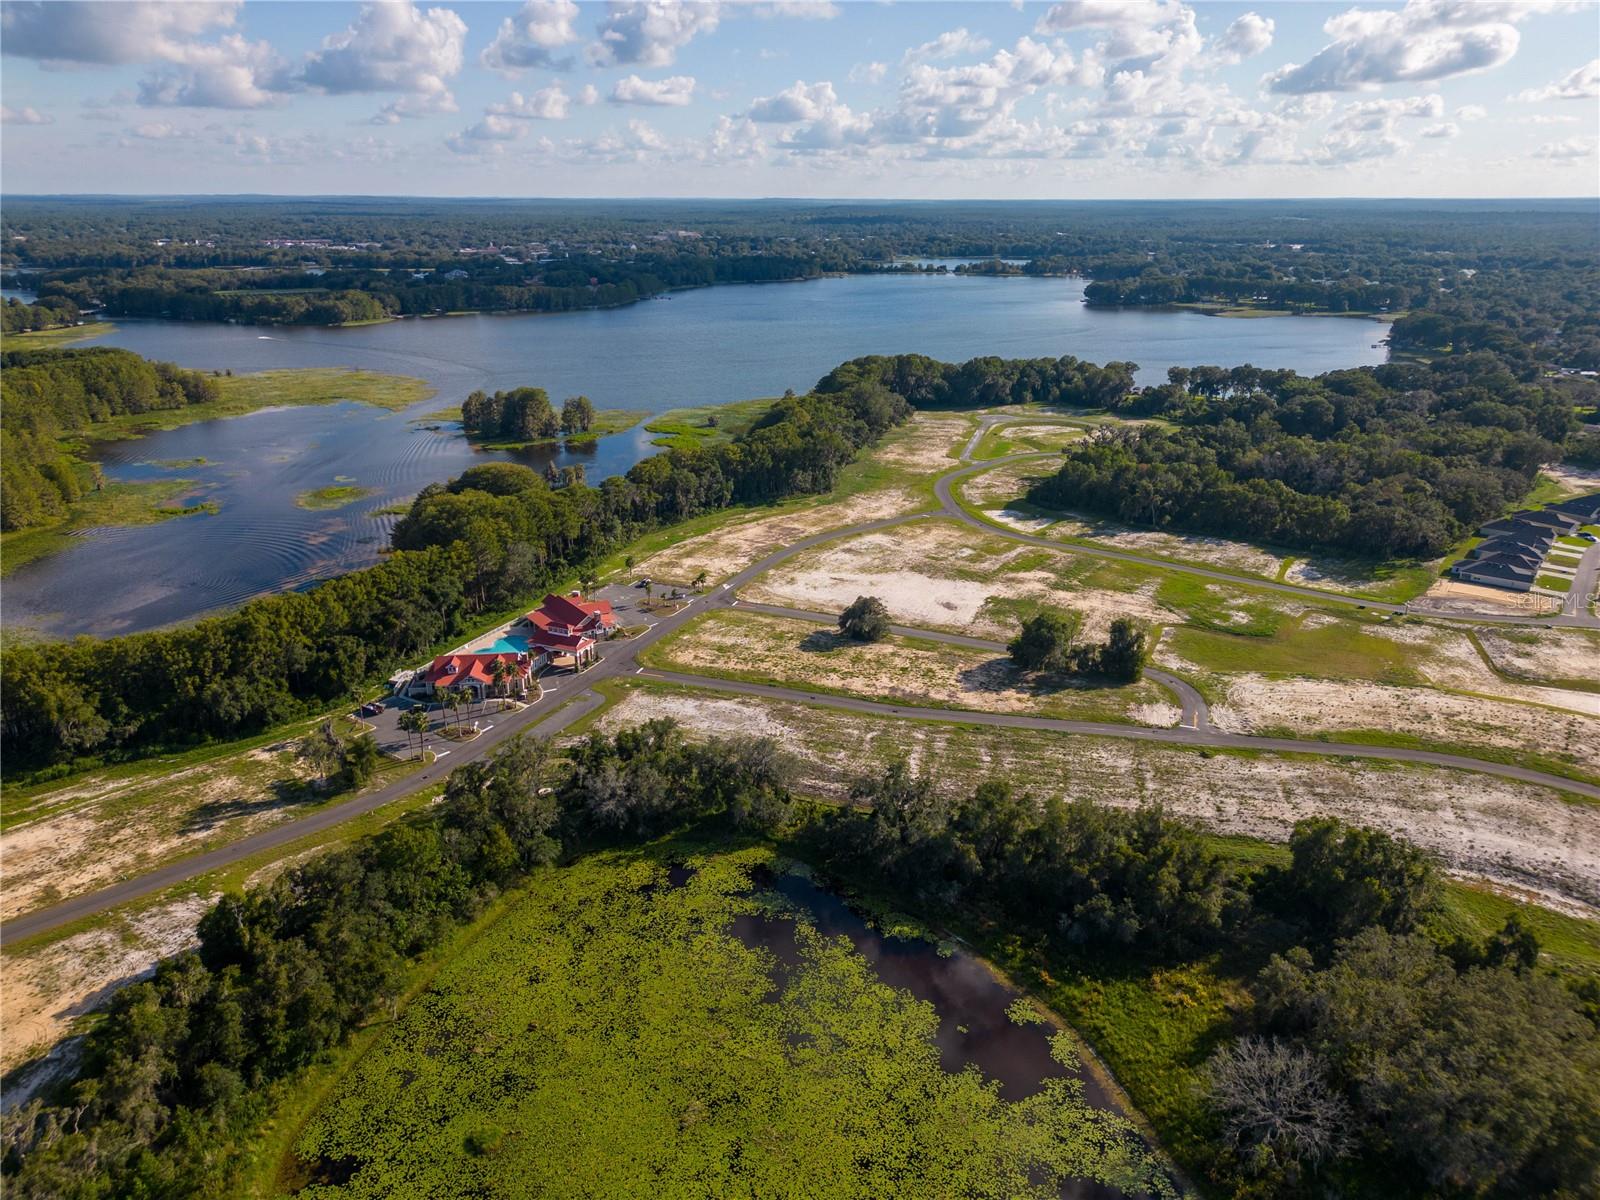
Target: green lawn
[1556,583]
[66,335]
[1336,650]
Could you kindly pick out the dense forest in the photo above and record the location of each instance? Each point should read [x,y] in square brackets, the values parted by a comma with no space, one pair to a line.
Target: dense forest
[524,414]
[495,535]
[17,317]
[1366,1053]
[46,395]
[1400,460]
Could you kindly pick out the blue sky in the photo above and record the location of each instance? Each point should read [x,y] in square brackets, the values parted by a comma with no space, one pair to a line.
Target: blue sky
[1077,99]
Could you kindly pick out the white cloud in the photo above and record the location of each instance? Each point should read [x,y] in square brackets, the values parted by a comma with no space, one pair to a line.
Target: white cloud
[674,90]
[531,38]
[1372,115]
[1571,148]
[161,131]
[869,72]
[393,48]
[801,102]
[1424,41]
[24,116]
[1445,129]
[800,10]
[1581,84]
[547,104]
[1471,112]
[135,31]
[651,32]
[1249,35]
[589,94]
[947,45]
[233,73]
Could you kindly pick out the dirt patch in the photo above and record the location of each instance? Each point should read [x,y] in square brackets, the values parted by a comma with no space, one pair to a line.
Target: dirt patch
[730,548]
[1575,479]
[98,830]
[1512,834]
[1256,704]
[940,575]
[800,654]
[1543,653]
[47,989]
[927,444]
[1453,598]
[1009,482]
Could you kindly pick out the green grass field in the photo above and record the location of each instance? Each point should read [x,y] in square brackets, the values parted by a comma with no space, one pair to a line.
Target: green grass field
[1337,650]
[66,335]
[243,394]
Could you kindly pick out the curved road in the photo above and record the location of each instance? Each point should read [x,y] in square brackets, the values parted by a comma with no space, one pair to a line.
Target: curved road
[1573,612]
[569,699]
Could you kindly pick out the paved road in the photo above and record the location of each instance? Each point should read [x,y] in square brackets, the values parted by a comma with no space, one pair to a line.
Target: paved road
[1139,733]
[1574,613]
[619,657]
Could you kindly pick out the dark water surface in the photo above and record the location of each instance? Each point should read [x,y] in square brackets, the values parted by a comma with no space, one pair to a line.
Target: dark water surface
[707,346]
[970,1000]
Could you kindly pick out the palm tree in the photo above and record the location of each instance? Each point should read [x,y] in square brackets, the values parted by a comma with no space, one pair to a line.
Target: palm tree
[415,720]
[587,582]
[699,581]
[499,672]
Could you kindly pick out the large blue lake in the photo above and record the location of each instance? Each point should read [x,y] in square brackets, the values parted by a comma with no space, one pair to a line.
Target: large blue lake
[700,347]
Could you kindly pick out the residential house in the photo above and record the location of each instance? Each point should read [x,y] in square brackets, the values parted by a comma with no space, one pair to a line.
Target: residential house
[569,626]
[1497,570]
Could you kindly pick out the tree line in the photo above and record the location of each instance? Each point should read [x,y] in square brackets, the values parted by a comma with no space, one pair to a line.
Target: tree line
[47,395]
[1400,460]
[1373,1050]
[18,317]
[496,535]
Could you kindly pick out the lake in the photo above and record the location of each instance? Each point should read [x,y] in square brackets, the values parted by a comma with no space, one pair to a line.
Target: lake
[707,346]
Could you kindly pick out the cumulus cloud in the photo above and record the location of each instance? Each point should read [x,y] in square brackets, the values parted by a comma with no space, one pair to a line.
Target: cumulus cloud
[801,10]
[1244,38]
[1425,40]
[1471,112]
[1571,148]
[869,72]
[135,31]
[947,45]
[1382,114]
[651,32]
[232,73]
[546,104]
[1581,84]
[1445,129]
[674,90]
[26,115]
[161,131]
[393,48]
[532,37]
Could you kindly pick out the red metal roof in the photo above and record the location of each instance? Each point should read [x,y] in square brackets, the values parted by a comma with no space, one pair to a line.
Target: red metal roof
[573,613]
[452,670]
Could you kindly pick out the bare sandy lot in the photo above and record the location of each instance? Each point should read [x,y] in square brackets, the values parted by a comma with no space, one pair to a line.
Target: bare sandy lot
[1575,479]
[730,548]
[944,576]
[927,444]
[1536,654]
[50,987]
[1006,483]
[1256,704]
[1512,834]
[800,654]
[1452,598]
[109,825]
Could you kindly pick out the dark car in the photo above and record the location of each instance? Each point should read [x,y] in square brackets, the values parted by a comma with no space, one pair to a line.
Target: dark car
[372,708]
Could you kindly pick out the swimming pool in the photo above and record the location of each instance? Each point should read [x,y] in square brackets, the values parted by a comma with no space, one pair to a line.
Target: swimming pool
[507,644]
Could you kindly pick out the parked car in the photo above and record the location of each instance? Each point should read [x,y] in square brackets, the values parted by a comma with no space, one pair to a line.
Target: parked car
[642,583]
[1589,537]
[371,708]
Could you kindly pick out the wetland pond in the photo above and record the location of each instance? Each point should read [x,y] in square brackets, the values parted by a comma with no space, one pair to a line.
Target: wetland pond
[707,346]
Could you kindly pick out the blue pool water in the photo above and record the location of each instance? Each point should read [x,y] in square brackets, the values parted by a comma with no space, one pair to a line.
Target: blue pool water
[508,644]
